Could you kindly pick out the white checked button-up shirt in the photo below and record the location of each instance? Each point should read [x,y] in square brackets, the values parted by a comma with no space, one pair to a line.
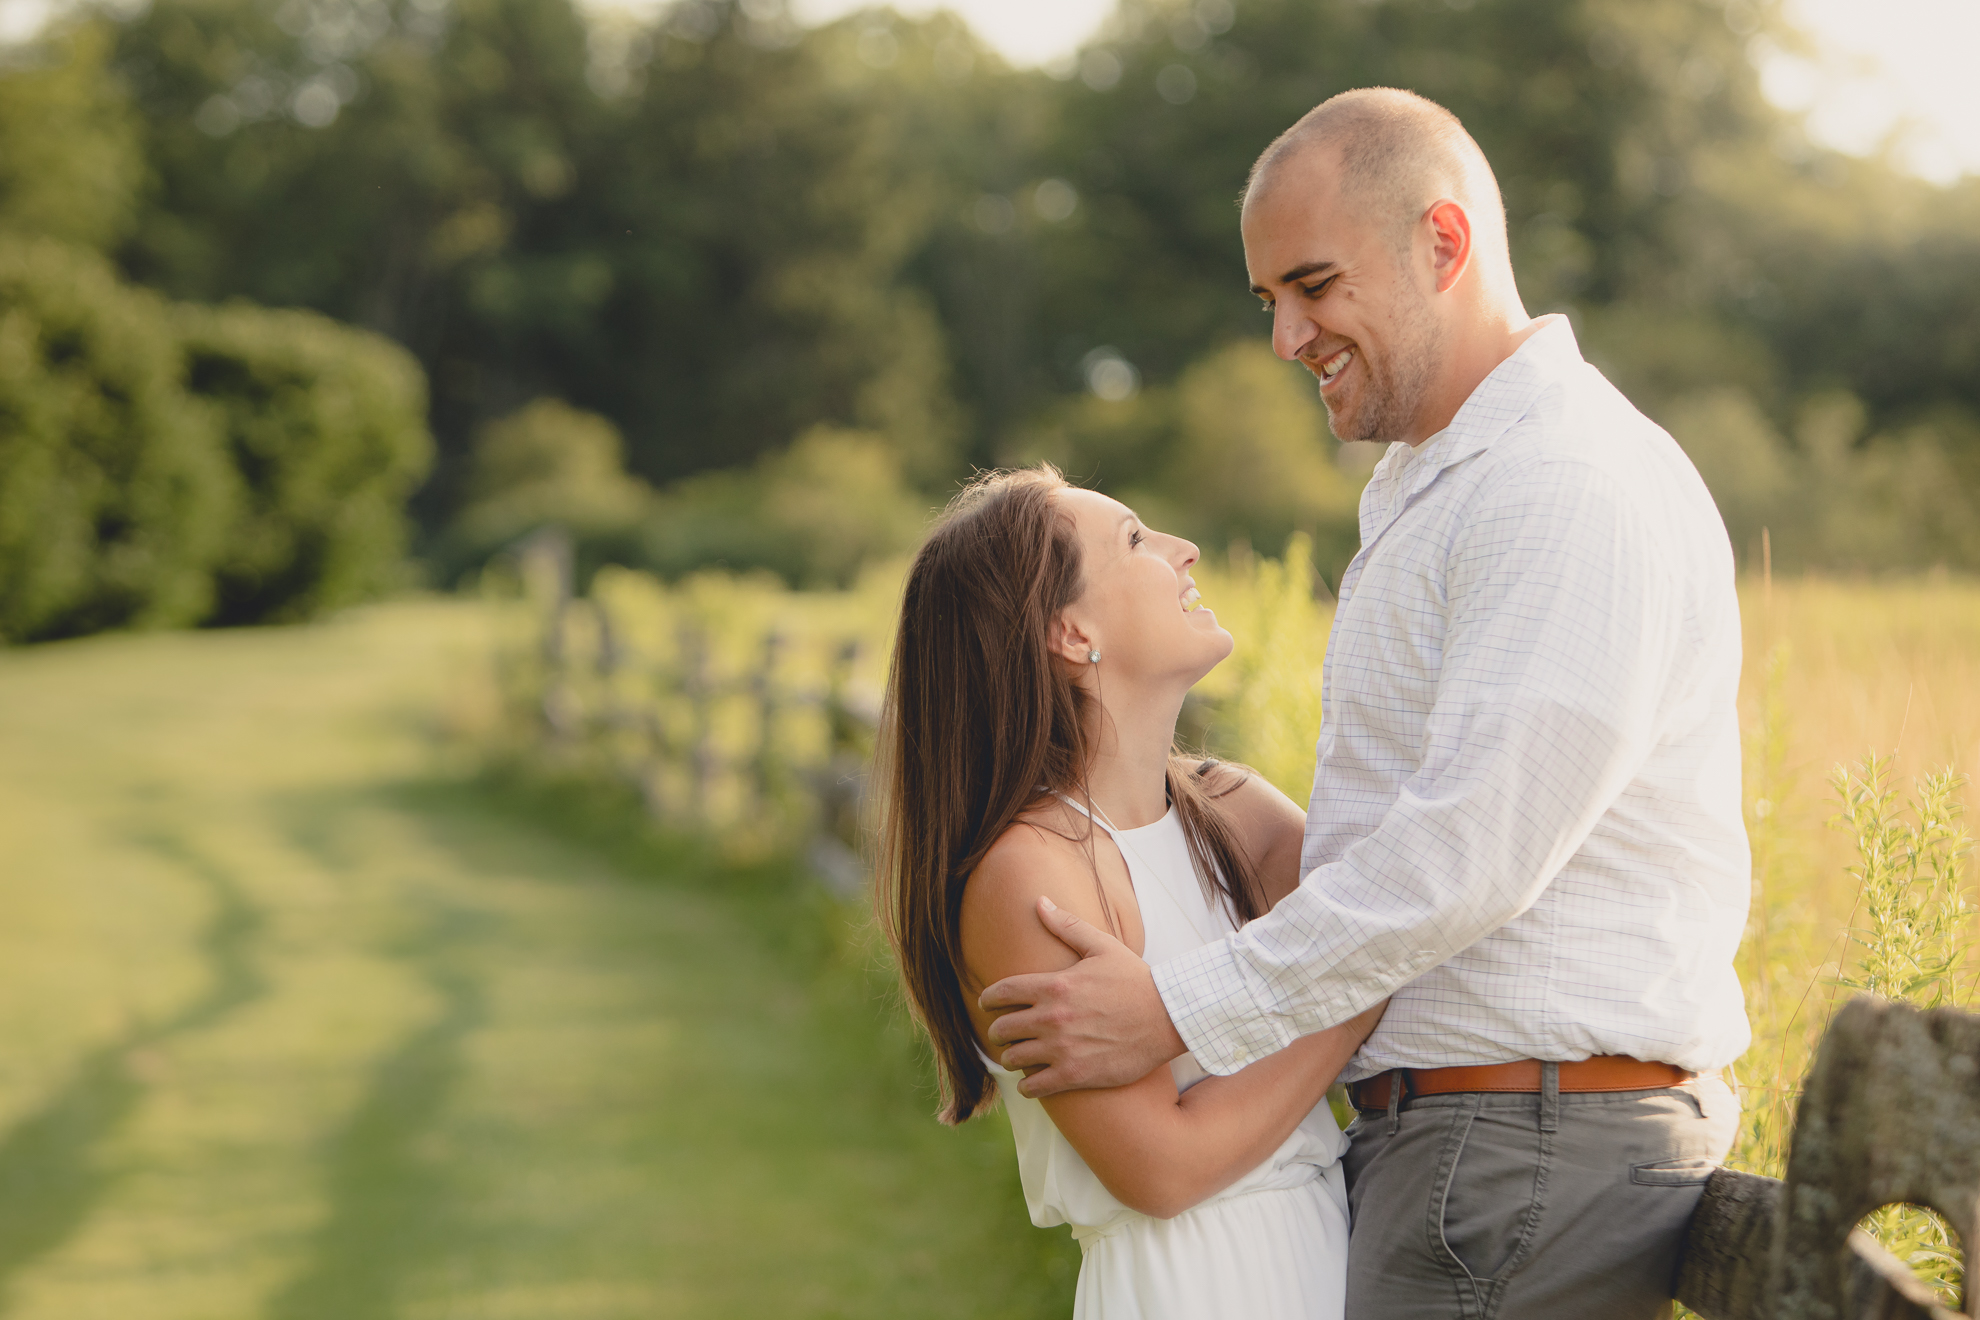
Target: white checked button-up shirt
[1526,818]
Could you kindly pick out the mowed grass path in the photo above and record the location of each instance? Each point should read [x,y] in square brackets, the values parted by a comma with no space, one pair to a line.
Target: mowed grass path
[295,1025]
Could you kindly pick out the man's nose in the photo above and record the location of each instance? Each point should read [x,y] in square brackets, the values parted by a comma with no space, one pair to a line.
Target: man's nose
[1292,331]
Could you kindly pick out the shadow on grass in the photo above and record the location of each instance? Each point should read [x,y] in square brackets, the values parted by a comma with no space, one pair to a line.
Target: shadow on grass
[49,1178]
[391,1200]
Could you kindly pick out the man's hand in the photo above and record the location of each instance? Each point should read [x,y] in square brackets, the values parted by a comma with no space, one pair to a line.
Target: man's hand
[1098,1023]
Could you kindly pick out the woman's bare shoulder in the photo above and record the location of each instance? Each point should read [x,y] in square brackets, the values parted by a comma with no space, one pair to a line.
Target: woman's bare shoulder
[1045,853]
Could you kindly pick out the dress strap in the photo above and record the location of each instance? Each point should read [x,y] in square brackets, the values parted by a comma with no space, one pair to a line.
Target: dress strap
[1097,816]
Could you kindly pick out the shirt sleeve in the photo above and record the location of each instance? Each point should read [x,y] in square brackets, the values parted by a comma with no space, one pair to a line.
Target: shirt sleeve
[1563,625]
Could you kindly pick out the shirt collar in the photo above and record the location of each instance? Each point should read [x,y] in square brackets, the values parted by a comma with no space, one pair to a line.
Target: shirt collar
[1501,399]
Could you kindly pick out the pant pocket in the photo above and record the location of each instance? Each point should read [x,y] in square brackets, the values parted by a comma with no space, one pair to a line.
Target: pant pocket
[1491,1192]
[1672,1173]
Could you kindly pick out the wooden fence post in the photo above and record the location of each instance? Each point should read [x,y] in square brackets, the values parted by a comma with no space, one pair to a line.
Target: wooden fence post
[766,764]
[696,686]
[1889,1113]
[545,559]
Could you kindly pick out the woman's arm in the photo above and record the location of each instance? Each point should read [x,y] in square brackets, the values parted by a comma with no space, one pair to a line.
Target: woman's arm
[1157,1151]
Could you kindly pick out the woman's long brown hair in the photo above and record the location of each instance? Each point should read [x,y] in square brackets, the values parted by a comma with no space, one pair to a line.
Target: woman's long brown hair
[979,724]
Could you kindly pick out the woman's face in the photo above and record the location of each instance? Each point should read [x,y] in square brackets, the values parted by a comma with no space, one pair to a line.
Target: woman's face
[1139,609]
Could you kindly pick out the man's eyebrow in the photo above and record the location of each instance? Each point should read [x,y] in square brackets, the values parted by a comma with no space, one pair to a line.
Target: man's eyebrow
[1299,272]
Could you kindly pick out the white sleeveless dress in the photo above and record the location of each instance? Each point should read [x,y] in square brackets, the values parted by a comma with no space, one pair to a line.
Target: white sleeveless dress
[1272,1246]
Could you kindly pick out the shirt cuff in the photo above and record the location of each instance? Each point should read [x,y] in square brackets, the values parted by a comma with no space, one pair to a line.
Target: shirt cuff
[1217,1012]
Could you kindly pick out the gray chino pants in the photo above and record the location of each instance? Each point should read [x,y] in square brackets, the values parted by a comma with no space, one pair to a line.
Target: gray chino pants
[1484,1205]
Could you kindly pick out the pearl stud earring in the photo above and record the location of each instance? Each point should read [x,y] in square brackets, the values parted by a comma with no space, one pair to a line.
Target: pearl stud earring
[1093,657]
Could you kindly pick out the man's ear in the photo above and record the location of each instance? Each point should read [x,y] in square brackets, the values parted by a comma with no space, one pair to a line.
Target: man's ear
[1067,640]
[1450,243]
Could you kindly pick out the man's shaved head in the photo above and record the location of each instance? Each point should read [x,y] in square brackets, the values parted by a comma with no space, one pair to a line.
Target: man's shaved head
[1396,153]
[1374,233]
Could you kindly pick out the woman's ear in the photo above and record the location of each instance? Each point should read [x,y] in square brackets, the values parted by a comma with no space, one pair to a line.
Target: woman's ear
[1068,641]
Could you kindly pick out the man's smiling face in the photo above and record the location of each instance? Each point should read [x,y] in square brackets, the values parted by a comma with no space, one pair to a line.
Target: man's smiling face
[1344,296]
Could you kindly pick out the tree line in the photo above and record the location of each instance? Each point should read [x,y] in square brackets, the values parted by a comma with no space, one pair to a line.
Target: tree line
[721,288]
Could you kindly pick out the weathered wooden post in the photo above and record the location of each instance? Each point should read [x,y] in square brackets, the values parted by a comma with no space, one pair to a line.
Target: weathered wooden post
[697,688]
[766,765]
[653,769]
[841,783]
[544,559]
[1889,1113]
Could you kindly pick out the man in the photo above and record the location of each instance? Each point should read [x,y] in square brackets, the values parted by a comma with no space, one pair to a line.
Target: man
[1525,824]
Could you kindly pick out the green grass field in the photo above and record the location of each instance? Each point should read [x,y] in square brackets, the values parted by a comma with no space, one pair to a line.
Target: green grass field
[299,1021]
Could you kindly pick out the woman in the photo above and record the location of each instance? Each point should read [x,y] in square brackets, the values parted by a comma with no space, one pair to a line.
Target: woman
[1046,642]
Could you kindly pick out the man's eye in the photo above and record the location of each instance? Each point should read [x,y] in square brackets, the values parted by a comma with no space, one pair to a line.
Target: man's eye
[1268,307]
[1315,290]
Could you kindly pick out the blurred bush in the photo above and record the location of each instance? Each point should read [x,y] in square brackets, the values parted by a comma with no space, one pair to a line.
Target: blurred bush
[1837,497]
[1254,459]
[325,428]
[115,494]
[1237,449]
[166,465]
[813,515]
[547,463]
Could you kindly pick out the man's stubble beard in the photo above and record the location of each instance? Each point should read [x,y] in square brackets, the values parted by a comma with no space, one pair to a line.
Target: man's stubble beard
[1393,394]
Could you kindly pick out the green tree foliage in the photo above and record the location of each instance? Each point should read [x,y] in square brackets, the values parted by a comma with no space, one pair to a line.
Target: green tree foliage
[70,162]
[1837,496]
[163,464]
[707,252]
[114,493]
[720,230]
[325,428]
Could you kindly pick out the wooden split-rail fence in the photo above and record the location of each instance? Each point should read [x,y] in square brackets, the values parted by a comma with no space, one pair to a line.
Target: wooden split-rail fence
[1889,1113]
[753,751]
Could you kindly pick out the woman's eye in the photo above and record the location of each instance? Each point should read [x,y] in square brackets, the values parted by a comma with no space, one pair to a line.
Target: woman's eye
[1135,538]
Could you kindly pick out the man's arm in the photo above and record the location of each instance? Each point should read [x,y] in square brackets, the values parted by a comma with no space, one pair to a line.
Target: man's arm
[1157,1150]
[1562,626]
[1126,1021]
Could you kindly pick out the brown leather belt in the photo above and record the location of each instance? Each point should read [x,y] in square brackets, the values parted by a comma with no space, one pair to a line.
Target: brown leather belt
[1604,1072]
